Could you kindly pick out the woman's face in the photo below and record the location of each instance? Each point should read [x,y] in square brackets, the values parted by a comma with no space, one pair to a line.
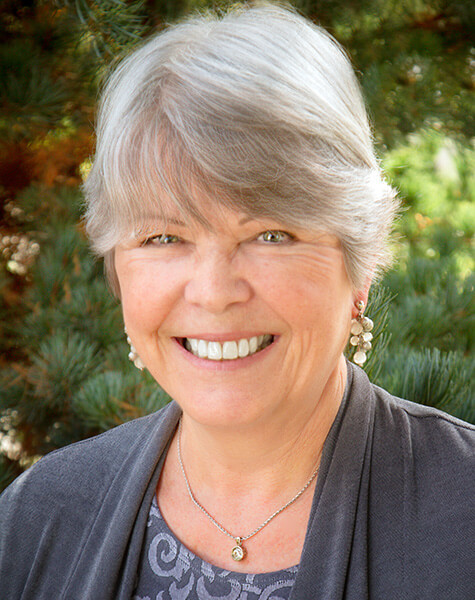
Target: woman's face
[189,294]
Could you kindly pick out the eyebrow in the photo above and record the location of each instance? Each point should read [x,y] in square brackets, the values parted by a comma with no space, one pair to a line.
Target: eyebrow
[165,219]
[173,221]
[179,223]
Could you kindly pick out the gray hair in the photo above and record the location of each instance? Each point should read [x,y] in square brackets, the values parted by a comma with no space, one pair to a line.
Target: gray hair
[258,109]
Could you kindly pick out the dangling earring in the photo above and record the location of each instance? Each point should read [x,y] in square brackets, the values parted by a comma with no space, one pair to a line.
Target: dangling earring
[360,335]
[133,354]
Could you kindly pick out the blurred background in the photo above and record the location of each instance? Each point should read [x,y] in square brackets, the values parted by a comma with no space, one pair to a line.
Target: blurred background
[64,372]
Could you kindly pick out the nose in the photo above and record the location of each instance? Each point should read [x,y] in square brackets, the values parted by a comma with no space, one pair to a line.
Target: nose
[217,283]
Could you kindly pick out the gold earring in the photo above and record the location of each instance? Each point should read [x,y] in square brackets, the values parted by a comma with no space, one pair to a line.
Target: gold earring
[360,334]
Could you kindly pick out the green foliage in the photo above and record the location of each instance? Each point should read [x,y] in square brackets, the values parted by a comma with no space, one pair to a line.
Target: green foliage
[107,27]
[415,61]
[432,316]
[31,93]
[8,471]
[434,307]
[436,177]
[436,258]
[35,82]
[105,400]
[428,376]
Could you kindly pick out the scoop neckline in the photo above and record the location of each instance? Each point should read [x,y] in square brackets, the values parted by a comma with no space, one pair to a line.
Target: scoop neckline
[210,567]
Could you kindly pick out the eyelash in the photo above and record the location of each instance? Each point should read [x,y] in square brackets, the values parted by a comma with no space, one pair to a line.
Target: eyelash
[159,239]
[276,232]
[278,235]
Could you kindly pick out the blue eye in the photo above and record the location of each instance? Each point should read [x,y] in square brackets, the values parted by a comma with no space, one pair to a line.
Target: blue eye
[161,240]
[274,236]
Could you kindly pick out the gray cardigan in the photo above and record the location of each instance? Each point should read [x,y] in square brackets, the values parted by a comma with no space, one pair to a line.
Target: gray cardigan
[391,516]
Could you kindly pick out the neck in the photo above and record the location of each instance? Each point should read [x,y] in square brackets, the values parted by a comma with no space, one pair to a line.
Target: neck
[265,458]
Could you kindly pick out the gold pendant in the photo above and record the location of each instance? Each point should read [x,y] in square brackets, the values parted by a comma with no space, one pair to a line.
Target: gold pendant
[238,552]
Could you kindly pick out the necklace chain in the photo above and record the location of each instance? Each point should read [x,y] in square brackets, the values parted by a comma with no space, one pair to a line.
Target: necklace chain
[238,539]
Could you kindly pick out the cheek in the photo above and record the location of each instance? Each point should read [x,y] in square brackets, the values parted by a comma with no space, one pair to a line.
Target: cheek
[315,301]
[147,293]
[140,306]
[307,287]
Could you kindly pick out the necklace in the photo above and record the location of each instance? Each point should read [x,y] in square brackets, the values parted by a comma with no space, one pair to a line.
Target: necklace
[238,552]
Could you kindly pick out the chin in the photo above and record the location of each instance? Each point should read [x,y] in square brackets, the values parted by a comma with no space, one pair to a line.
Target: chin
[224,409]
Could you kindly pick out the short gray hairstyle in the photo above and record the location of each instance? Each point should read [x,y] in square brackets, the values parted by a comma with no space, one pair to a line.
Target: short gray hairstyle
[260,110]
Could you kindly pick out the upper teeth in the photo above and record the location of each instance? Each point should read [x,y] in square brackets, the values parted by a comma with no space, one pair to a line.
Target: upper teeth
[227,350]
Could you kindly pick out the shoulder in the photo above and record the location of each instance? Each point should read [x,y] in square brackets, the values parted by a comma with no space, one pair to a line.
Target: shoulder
[416,451]
[69,501]
[85,466]
[419,466]
[425,456]
[423,461]
[423,425]
[399,426]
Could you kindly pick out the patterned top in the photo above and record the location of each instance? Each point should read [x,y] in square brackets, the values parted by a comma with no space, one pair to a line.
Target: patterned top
[169,571]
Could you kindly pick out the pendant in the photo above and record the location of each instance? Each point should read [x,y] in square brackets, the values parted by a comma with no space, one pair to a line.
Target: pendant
[238,552]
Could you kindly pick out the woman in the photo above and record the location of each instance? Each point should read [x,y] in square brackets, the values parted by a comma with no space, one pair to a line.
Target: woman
[242,215]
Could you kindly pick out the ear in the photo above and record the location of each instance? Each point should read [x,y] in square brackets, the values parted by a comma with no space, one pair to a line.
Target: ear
[361,295]
[111,273]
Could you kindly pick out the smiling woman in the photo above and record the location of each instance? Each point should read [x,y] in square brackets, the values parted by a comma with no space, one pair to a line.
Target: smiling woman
[242,215]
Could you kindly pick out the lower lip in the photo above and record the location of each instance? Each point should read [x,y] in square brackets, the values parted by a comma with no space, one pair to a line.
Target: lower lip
[226,365]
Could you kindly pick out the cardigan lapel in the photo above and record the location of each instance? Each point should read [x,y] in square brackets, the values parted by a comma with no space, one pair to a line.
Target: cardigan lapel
[334,561]
[108,562]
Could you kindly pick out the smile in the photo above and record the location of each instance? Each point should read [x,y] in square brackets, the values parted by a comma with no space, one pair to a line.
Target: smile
[229,350]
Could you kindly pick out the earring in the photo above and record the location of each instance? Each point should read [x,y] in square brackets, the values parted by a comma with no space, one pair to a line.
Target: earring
[360,334]
[133,354]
